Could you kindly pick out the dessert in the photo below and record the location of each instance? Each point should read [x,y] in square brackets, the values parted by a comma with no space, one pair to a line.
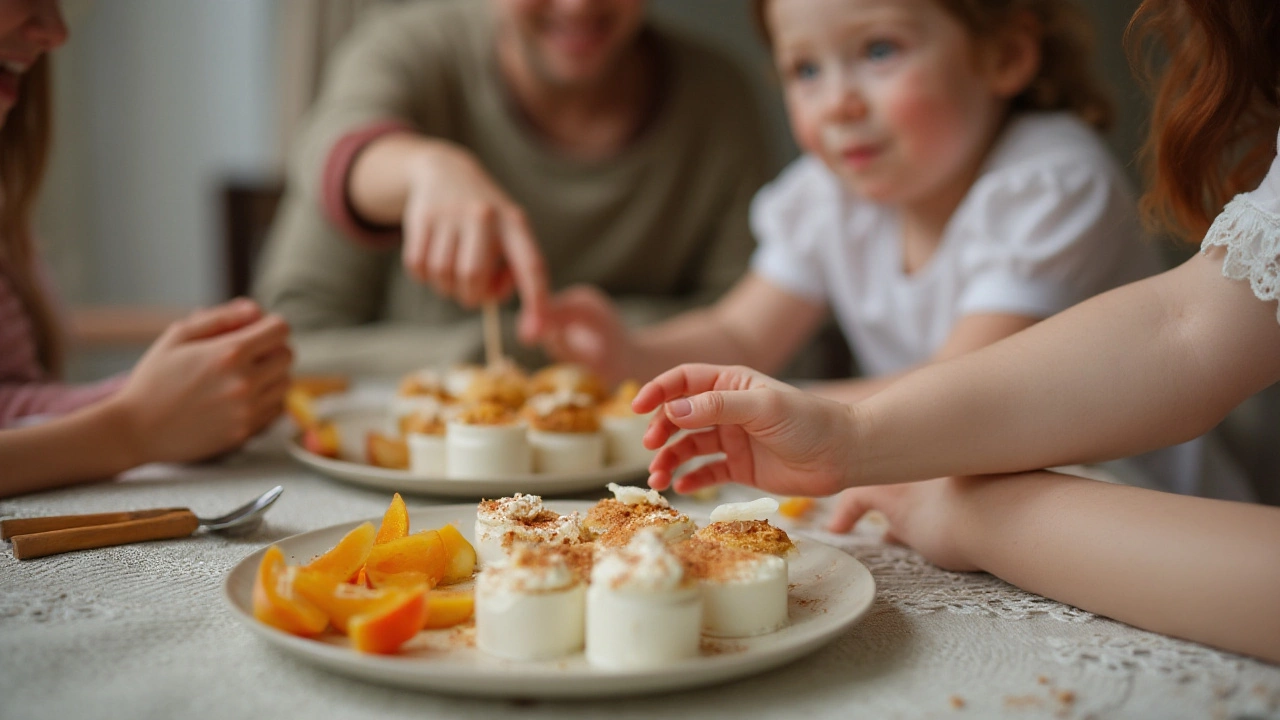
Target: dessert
[422,391]
[530,606]
[743,593]
[424,432]
[623,429]
[521,518]
[743,526]
[504,384]
[566,377]
[613,521]
[643,611]
[564,431]
[487,440]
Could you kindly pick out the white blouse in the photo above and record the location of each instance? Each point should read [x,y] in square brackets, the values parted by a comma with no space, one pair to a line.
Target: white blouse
[1249,228]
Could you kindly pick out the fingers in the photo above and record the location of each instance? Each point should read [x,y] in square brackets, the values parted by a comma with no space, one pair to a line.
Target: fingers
[268,404]
[441,258]
[685,449]
[476,258]
[271,369]
[249,343]
[689,379]
[851,505]
[213,321]
[528,269]
[417,242]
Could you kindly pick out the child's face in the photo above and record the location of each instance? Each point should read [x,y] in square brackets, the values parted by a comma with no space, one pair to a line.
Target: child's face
[891,94]
[28,29]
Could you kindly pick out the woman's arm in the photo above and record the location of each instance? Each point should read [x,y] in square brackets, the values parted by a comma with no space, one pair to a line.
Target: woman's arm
[1205,570]
[1143,366]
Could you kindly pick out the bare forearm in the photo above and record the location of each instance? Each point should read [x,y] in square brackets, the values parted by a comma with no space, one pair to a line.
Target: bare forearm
[852,391]
[378,183]
[91,444]
[696,336]
[1141,367]
[1205,570]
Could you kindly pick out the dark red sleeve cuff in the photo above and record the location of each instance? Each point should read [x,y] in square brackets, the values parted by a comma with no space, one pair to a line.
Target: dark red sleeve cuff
[333,189]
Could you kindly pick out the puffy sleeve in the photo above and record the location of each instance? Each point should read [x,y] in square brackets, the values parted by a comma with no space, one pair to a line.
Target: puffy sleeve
[1249,229]
[1040,237]
[789,217]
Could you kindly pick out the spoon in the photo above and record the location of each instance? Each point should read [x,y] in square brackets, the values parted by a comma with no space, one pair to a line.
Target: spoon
[37,537]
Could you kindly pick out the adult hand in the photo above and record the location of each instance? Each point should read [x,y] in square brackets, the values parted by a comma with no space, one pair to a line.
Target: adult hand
[465,237]
[584,327]
[775,437]
[210,382]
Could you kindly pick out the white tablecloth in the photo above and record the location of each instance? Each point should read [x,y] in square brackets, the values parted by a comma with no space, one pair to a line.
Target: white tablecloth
[142,631]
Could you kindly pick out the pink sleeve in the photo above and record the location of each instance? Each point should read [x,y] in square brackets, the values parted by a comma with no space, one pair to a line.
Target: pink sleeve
[22,399]
[333,193]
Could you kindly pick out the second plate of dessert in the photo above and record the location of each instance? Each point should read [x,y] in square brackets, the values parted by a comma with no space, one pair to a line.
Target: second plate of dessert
[828,592]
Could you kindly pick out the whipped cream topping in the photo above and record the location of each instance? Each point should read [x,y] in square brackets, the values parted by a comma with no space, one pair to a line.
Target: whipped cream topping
[459,378]
[528,569]
[547,403]
[644,565]
[518,507]
[629,495]
[759,509]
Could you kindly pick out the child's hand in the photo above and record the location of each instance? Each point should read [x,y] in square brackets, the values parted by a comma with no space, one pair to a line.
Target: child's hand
[924,515]
[776,437]
[210,382]
[469,240]
[584,327]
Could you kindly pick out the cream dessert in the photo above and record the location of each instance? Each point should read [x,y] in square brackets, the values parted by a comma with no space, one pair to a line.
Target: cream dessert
[624,429]
[564,431]
[643,611]
[502,523]
[613,521]
[503,383]
[530,606]
[459,377]
[487,440]
[743,593]
[567,377]
[424,433]
[744,526]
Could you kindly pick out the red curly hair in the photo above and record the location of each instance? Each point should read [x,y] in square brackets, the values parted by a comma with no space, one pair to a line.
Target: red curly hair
[1217,104]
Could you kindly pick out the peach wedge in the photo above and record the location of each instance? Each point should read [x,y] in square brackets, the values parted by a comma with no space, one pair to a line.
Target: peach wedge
[276,603]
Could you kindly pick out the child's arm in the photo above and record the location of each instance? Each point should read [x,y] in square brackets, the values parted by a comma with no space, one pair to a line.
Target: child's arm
[970,333]
[1205,570]
[756,324]
[207,385]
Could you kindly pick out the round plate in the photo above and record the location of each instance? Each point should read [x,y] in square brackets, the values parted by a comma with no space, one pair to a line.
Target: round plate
[829,592]
[354,422]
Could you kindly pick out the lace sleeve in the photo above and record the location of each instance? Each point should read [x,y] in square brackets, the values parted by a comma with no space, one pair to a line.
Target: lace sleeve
[1251,235]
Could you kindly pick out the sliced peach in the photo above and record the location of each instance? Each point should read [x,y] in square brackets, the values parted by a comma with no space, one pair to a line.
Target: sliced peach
[386,452]
[277,604]
[446,608]
[300,406]
[322,439]
[795,507]
[413,560]
[391,622]
[361,578]
[345,559]
[462,557]
[395,522]
[320,385]
[338,600]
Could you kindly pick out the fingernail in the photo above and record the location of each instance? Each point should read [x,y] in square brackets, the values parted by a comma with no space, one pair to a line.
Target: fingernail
[679,408]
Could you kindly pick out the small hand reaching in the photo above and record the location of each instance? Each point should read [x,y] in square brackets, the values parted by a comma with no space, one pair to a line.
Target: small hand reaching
[775,437]
[584,327]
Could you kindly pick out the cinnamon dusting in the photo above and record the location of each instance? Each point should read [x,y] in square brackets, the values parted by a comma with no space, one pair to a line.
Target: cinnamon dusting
[754,535]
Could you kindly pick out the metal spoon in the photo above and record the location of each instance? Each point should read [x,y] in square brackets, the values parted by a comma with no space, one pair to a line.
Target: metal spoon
[36,537]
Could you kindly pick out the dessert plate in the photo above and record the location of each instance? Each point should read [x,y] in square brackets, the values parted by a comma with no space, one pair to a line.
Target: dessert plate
[830,591]
[353,422]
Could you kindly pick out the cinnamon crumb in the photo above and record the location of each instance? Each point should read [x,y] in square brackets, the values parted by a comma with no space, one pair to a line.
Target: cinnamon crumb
[1042,680]
[1066,697]
[564,419]
[709,646]
[613,523]
[957,702]
[487,413]
[710,561]
[754,535]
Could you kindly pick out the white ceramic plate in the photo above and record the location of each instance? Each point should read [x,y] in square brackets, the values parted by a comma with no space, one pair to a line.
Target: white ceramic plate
[355,422]
[830,591]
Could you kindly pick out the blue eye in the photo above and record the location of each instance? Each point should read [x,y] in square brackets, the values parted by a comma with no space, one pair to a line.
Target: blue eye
[881,49]
[804,70]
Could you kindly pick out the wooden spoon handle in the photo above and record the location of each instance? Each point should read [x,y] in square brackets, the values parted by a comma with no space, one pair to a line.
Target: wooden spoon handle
[26,526]
[177,523]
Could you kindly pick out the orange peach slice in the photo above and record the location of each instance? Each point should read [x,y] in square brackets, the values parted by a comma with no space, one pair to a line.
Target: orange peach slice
[413,560]
[338,600]
[795,507]
[395,522]
[298,403]
[446,608]
[321,439]
[386,452]
[345,559]
[386,626]
[277,604]
[320,385]
[462,556]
